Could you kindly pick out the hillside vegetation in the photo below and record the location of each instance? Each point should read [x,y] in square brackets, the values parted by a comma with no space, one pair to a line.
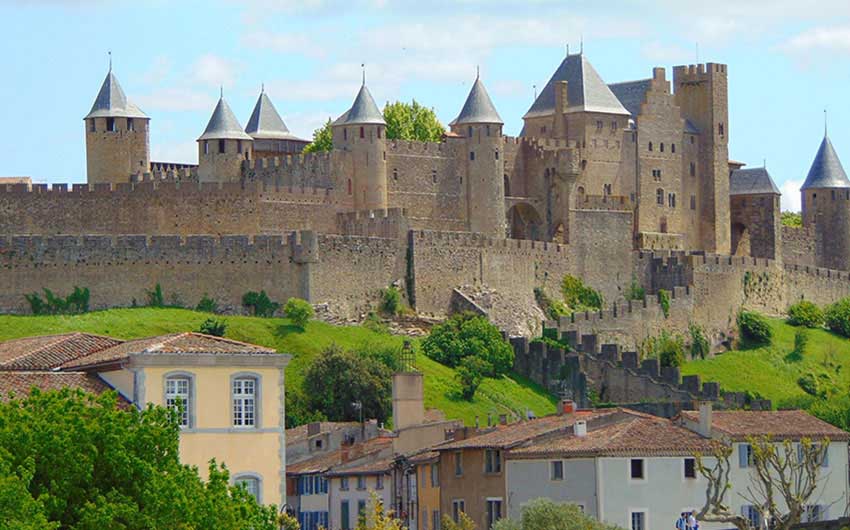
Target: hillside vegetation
[775,373]
[442,391]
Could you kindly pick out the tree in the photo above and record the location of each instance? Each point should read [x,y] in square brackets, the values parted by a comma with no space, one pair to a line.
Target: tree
[323,139]
[336,379]
[260,304]
[545,514]
[298,311]
[464,523]
[376,518]
[412,121]
[470,374]
[466,334]
[792,219]
[784,477]
[83,462]
[214,327]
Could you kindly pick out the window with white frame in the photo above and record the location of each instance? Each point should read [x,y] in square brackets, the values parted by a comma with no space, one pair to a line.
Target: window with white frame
[361,482]
[177,396]
[638,520]
[753,514]
[244,402]
[251,485]
[343,483]
[492,461]
[458,507]
[494,511]
[557,467]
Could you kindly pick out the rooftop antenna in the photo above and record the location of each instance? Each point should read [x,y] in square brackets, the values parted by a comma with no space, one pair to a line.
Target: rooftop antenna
[262,88]
[535,91]
[581,45]
[110,59]
[363,67]
[221,91]
[568,49]
[477,71]
[824,122]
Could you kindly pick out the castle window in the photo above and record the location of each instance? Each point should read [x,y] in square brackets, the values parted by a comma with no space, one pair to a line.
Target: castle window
[130,125]
[581,190]
[379,133]
[488,130]
[721,129]
[833,194]
[662,147]
[672,148]
[362,132]
[349,186]
[693,202]
[659,196]
[434,175]
[546,173]
[543,129]
[345,134]
[692,139]
[221,146]
[650,146]
[469,131]
[110,125]
[671,200]
[206,147]
[656,175]
[395,173]
[606,189]
[613,125]
[92,127]
[497,154]
[599,125]
[472,155]
[238,146]
[385,155]
[693,169]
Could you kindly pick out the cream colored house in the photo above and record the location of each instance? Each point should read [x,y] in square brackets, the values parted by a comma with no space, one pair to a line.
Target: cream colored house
[232,393]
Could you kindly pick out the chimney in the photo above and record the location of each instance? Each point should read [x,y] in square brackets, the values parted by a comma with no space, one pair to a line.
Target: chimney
[705,411]
[566,407]
[408,399]
[503,419]
[580,428]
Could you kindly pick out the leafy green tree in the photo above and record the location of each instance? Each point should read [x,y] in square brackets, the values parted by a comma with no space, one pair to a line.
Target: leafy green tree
[467,334]
[578,296]
[412,121]
[323,139]
[390,300]
[336,379]
[470,374]
[805,313]
[754,327]
[260,304]
[85,463]
[545,514]
[207,305]
[214,327]
[155,297]
[837,317]
[298,311]
[792,219]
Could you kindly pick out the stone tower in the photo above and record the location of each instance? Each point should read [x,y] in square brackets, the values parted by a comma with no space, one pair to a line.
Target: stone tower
[270,134]
[223,147]
[826,208]
[701,94]
[117,136]
[360,135]
[481,128]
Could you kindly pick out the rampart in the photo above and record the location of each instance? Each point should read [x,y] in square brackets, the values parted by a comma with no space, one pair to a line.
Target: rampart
[391,223]
[309,170]
[799,246]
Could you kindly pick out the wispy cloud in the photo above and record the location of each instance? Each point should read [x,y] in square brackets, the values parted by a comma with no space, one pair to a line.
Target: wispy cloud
[288,43]
[818,42]
[158,71]
[176,99]
[213,70]
[181,152]
[791,201]
[662,53]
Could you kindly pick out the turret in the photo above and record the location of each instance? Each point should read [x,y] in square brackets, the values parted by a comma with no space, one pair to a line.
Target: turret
[223,147]
[270,134]
[826,207]
[360,134]
[117,136]
[481,128]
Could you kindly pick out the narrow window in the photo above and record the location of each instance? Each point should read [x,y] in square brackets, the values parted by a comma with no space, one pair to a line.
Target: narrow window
[488,130]
[543,129]
[251,485]
[349,186]
[458,463]
[206,147]
[494,511]
[833,194]
[650,146]
[599,125]
[361,508]
[238,146]
[693,202]
[345,515]
[458,507]
[434,175]
[659,196]
[692,139]
[379,482]
[244,402]
[362,132]
[472,155]
[379,137]
[638,521]
[343,483]
[745,455]
[435,475]
[130,125]
[672,148]
[177,397]
[497,154]
[435,520]
[557,470]
[361,482]
[92,126]
[690,468]
[221,146]
[469,131]
[693,169]
[721,129]
[636,470]
[395,173]
[613,125]
[492,461]
[662,147]
[110,124]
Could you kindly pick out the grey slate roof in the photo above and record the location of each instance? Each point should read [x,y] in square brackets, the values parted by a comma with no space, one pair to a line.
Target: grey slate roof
[363,111]
[690,128]
[478,107]
[586,91]
[223,125]
[266,124]
[826,170]
[631,94]
[112,103]
[752,181]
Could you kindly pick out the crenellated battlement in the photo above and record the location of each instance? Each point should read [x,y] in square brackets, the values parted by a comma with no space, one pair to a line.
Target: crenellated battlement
[469,239]
[604,202]
[289,161]
[696,73]
[384,223]
[411,147]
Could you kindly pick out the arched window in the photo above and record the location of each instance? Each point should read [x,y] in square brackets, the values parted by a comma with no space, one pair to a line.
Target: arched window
[252,482]
[245,399]
[180,394]
[362,132]
[650,146]
[659,196]
[662,147]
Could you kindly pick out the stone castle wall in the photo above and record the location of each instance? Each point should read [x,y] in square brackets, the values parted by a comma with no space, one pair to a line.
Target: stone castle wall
[798,246]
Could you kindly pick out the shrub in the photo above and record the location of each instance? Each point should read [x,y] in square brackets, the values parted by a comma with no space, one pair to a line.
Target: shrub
[75,303]
[214,327]
[155,297]
[805,313]
[664,301]
[384,353]
[470,374]
[579,296]
[700,347]
[801,340]
[207,305]
[635,291]
[390,300]
[374,323]
[808,382]
[259,304]
[754,327]
[837,317]
[668,348]
[468,334]
[552,308]
[298,311]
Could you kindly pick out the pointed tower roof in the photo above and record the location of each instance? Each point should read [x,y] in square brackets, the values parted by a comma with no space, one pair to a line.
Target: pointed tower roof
[363,111]
[826,170]
[478,107]
[586,91]
[265,123]
[112,103]
[223,124]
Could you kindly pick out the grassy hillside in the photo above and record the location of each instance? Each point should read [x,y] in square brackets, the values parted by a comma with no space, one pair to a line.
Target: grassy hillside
[772,373]
[441,390]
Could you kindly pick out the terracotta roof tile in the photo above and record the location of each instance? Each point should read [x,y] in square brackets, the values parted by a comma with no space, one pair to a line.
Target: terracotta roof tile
[780,424]
[372,465]
[299,434]
[20,383]
[51,351]
[634,435]
[322,462]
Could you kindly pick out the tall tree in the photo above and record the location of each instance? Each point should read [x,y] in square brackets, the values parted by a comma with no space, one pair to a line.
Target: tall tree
[412,121]
[323,139]
[783,479]
[77,461]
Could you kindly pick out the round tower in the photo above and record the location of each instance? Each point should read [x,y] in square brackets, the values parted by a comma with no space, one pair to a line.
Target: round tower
[223,147]
[826,208]
[360,134]
[117,136]
[481,128]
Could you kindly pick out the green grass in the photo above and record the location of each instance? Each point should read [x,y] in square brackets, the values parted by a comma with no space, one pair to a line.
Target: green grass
[441,390]
[767,371]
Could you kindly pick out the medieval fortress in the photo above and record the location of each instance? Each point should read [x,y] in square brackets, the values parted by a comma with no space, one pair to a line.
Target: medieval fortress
[614,183]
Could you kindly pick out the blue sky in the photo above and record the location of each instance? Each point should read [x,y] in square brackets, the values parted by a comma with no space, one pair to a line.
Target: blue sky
[788,60]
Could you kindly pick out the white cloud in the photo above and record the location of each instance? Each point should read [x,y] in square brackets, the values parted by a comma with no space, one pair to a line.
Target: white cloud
[304,123]
[176,99]
[214,71]
[299,43]
[511,88]
[791,195]
[660,53]
[158,71]
[819,40]
[183,152]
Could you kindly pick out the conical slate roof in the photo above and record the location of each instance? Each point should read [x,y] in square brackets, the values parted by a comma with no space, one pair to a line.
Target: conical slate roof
[112,103]
[266,124]
[586,91]
[223,124]
[363,111]
[826,170]
[478,108]
[752,181]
